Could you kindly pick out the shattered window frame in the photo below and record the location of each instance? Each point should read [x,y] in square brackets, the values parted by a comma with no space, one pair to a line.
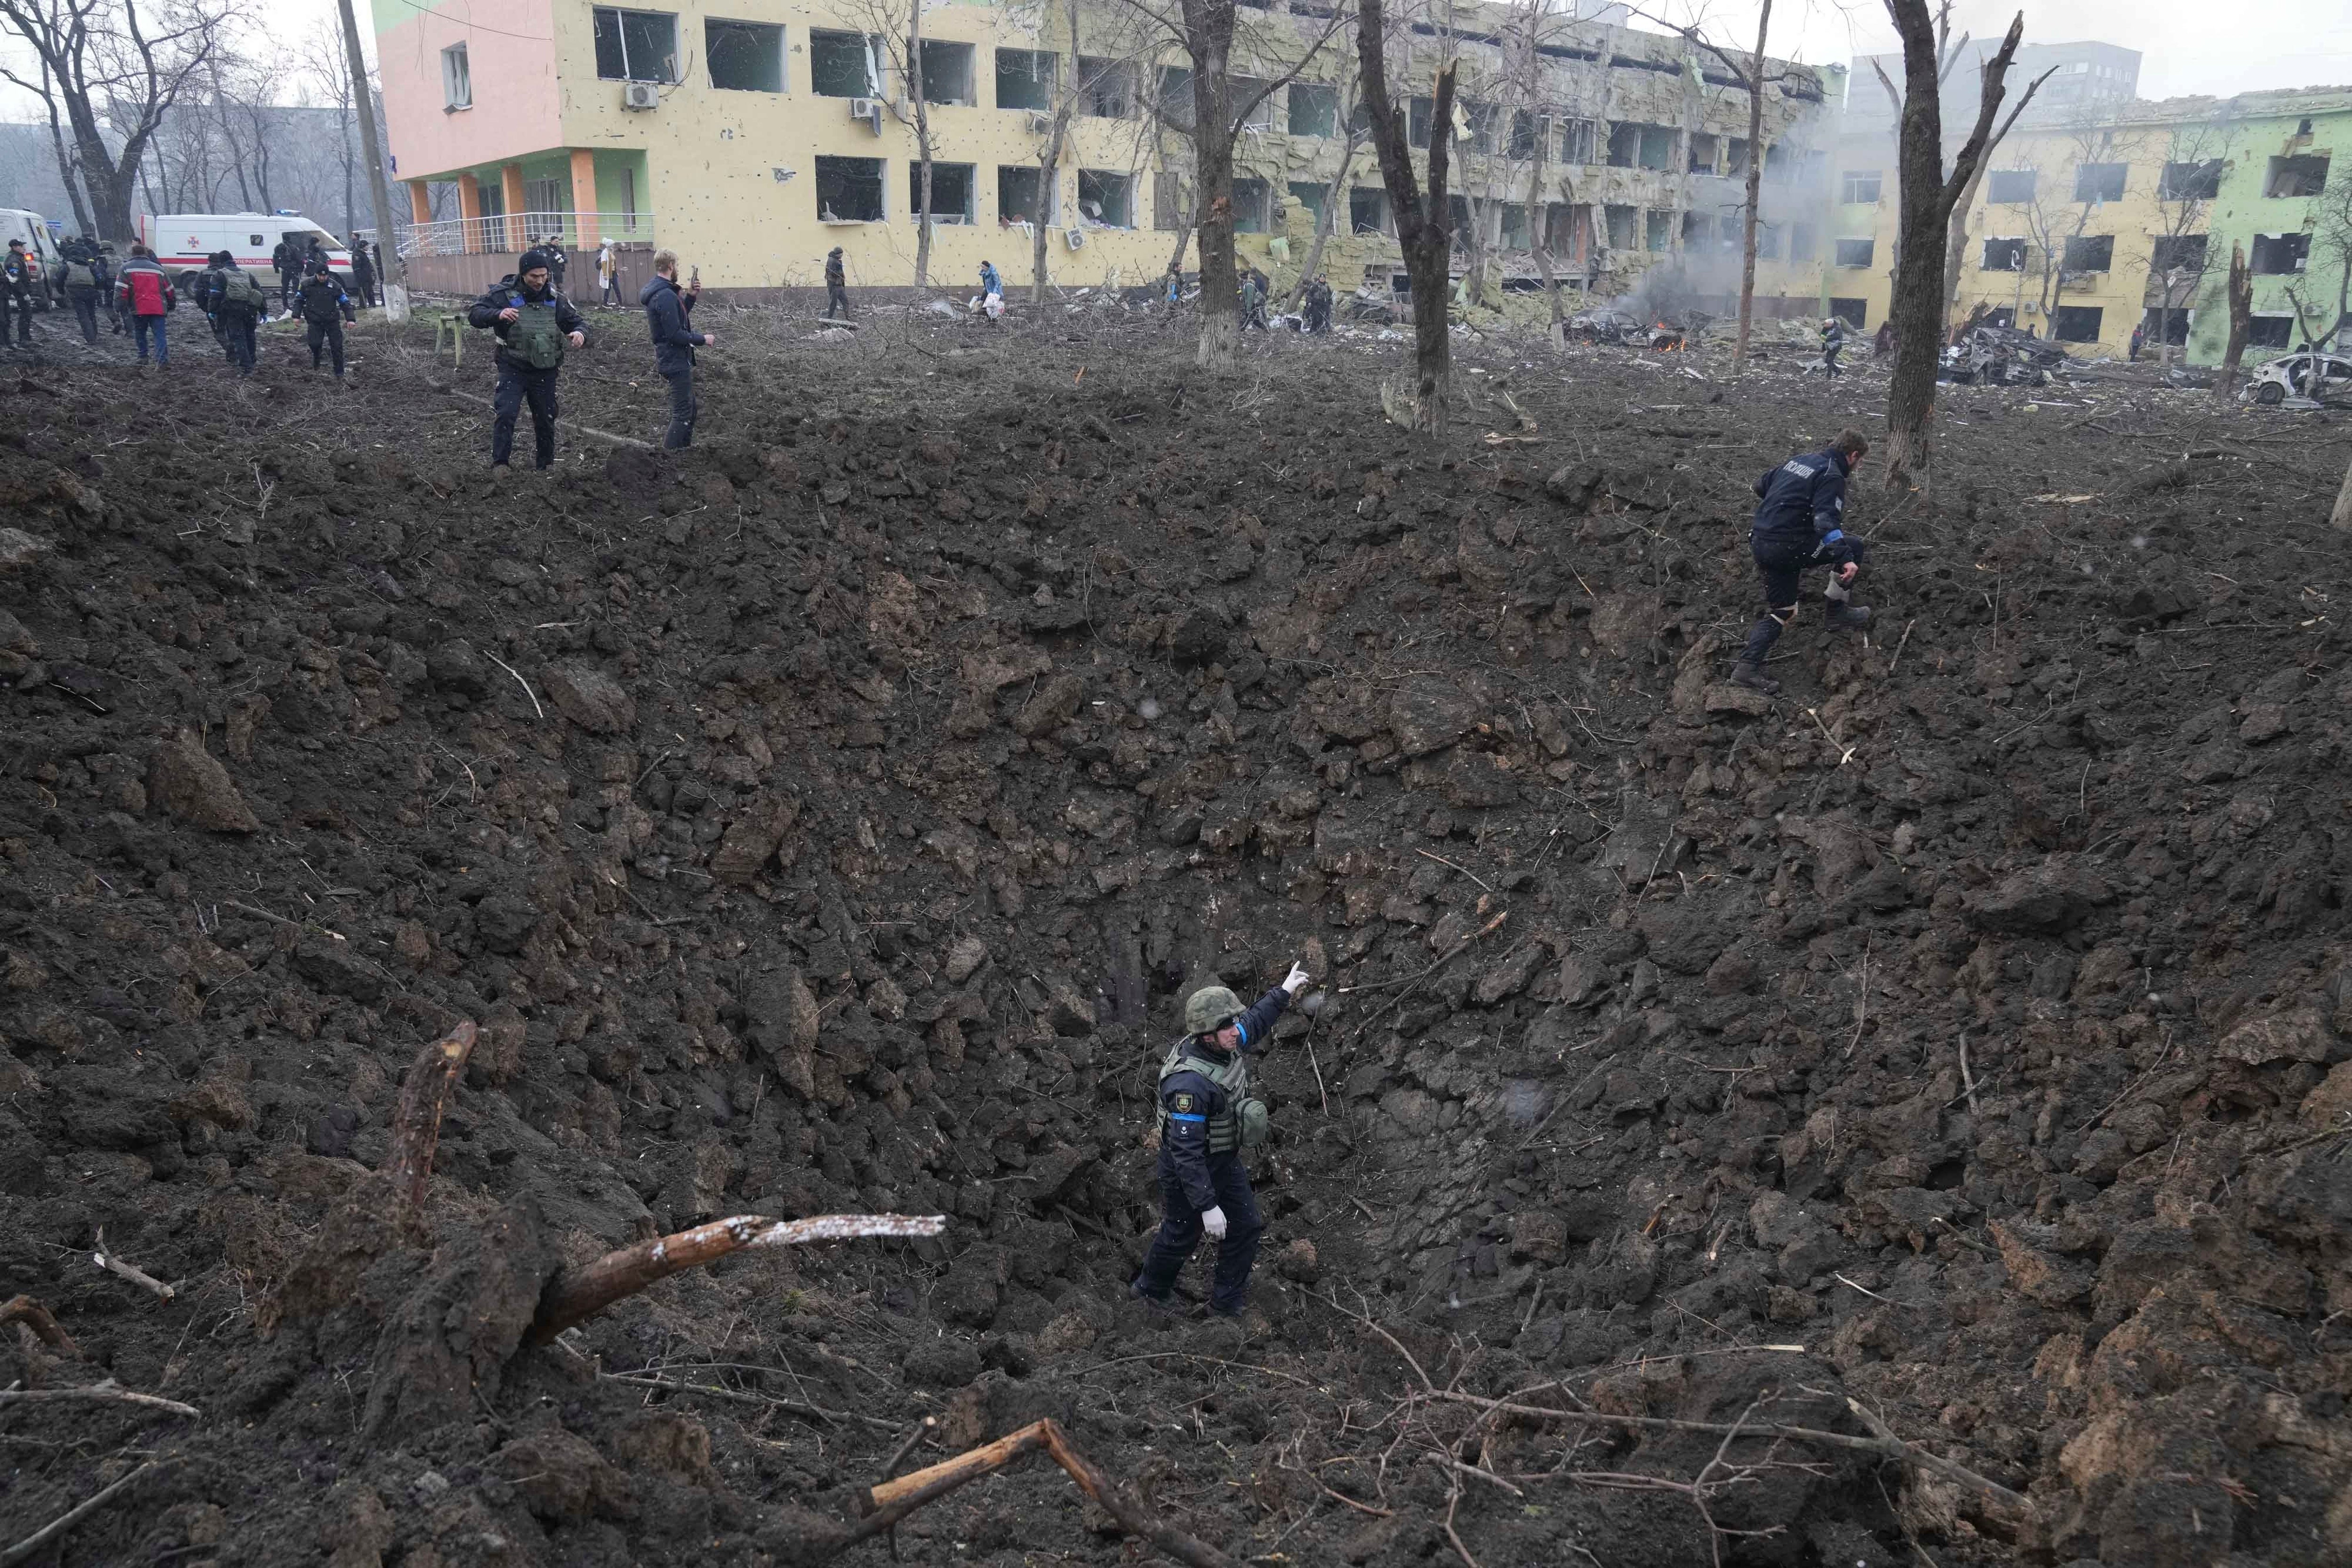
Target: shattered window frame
[1861,187]
[1107,185]
[2267,330]
[1854,252]
[2088,252]
[1261,113]
[2197,180]
[1620,219]
[749,54]
[838,179]
[1310,195]
[1252,198]
[1579,141]
[2077,323]
[2010,187]
[1011,178]
[2295,175]
[942,212]
[616,28]
[2101,182]
[1658,230]
[1313,109]
[1027,80]
[2002,253]
[1106,88]
[832,53]
[946,61]
[1371,200]
[1174,98]
[2279,254]
[2194,250]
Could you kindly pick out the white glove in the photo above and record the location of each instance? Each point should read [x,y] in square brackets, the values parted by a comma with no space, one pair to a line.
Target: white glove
[1296,982]
[1212,1221]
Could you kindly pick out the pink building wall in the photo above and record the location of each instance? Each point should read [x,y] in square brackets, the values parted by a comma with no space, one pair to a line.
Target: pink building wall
[517,108]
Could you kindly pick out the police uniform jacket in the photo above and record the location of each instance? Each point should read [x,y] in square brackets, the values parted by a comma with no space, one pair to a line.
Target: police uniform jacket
[1802,502]
[1190,1103]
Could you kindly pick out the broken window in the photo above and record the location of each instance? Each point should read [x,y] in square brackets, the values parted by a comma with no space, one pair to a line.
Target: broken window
[2305,175]
[1701,152]
[951,189]
[1633,146]
[2100,181]
[1856,252]
[1459,224]
[745,57]
[1735,156]
[1025,78]
[1568,231]
[1168,202]
[1310,197]
[1417,113]
[2089,253]
[2004,255]
[1260,115]
[1578,140]
[1522,144]
[1802,245]
[1767,242]
[1017,196]
[636,46]
[1658,231]
[2198,181]
[1105,88]
[2278,254]
[2077,323]
[2178,255]
[2166,326]
[1368,210]
[1860,187]
[1482,119]
[2271,332]
[1314,108]
[946,72]
[1621,222]
[2010,187]
[849,190]
[1516,232]
[839,65]
[1176,97]
[1107,196]
[1854,313]
[1250,201]
[1699,231]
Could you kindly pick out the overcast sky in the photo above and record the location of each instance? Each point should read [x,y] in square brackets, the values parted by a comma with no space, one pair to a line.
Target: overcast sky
[2187,45]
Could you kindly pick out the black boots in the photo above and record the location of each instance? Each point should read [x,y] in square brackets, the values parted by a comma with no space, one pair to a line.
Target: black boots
[1753,677]
[1848,617]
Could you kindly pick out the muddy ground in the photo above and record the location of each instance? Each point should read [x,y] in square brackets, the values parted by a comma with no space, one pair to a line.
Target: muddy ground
[832,819]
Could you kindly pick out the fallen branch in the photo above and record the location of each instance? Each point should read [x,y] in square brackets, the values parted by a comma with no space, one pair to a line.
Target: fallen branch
[108,1392]
[573,426]
[745,1396]
[1451,954]
[41,1322]
[889,1502]
[131,1272]
[416,1124]
[510,670]
[28,1548]
[579,1293]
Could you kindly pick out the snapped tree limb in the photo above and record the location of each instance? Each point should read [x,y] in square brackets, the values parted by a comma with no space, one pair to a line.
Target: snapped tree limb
[416,1124]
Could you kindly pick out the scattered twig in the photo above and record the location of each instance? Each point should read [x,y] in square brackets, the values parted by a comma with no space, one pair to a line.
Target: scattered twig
[510,670]
[110,1393]
[745,1396]
[1441,860]
[579,1293]
[416,1123]
[915,1435]
[131,1272]
[604,435]
[1451,954]
[1874,1295]
[42,1322]
[1846,752]
[1898,648]
[1862,1002]
[1968,1083]
[27,1549]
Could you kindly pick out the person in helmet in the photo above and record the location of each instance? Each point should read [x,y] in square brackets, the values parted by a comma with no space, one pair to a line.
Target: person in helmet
[1832,345]
[1207,1117]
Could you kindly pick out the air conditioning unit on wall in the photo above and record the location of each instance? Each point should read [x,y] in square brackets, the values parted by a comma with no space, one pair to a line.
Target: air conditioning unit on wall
[1040,123]
[640,95]
[869,109]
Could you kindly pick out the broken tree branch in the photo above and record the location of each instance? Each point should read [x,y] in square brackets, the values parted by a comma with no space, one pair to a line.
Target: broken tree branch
[594,434]
[131,1272]
[1451,954]
[109,1392]
[416,1124]
[579,1293]
[42,1322]
[28,1548]
[745,1397]
[891,1502]
[510,670]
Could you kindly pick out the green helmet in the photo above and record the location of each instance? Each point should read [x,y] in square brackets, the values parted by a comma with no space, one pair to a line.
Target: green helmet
[1211,1009]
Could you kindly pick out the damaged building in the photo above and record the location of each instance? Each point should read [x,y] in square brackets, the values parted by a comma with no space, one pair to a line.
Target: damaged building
[753,145]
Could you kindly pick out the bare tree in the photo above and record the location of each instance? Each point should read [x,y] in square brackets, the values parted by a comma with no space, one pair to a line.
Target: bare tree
[1049,164]
[1421,219]
[2331,241]
[2196,156]
[2342,516]
[68,167]
[2238,293]
[1350,129]
[109,63]
[1927,198]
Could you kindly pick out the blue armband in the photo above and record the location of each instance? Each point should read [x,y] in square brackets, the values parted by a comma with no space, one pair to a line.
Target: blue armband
[1832,537]
[1174,1117]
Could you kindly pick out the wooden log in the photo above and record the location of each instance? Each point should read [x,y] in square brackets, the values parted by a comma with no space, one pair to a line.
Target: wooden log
[579,1293]
[416,1124]
[24,1310]
[108,1392]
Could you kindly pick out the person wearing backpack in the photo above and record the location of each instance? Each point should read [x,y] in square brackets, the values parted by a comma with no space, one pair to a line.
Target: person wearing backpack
[238,304]
[287,262]
[534,323]
[81,292]
[325,307]
[145,291]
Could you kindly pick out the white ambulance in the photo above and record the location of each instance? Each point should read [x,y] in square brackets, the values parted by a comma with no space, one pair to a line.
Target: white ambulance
[184,241]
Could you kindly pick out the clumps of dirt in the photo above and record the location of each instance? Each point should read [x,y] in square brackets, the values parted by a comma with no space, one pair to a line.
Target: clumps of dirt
[829,819]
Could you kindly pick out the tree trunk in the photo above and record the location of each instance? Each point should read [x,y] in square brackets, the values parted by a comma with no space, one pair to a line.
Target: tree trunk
[1955,248]
[1049,166]
[1918,303]
[1755,193]
[2238,290]
[394,276]
[2342,516]
[1326,222]
[68,174]
[1538,225]
[922,144]
[1420,222]
[1208,38]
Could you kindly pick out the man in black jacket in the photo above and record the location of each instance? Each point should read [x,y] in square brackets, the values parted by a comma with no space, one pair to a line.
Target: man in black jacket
[237,302]
[16,292]
[1800,522]
[287,261]
[836,285]
[533,324]
[325,308]
[669,312]
[1207,1117]
[364,273]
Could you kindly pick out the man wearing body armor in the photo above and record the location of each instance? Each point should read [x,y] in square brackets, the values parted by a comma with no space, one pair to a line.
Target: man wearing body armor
[1207,1117]
[534,324]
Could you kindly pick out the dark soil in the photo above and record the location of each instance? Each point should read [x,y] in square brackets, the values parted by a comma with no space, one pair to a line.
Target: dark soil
[832,819]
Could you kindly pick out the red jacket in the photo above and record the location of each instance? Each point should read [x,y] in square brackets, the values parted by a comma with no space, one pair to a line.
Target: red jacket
[144,287]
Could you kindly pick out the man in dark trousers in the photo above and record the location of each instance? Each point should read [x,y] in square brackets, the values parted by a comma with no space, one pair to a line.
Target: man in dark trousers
[325,307]
[1206,1118]
[837,286]
[238,302]
[16,293]
[1800,522]
[556,260]
[288,262]
[534,324]
[669,312]
[364,274]
[1833,344]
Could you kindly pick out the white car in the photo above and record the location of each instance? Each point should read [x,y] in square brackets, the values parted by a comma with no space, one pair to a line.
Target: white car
[16,223]
[2291,376]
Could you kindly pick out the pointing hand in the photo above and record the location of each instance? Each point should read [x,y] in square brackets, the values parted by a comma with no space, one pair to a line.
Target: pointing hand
[1212,1221]
[1297,980]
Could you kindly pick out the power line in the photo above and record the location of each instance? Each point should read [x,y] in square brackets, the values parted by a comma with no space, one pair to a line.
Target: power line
[478,27]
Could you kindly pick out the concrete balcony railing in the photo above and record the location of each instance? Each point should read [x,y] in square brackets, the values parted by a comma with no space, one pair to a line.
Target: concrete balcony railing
[513,232]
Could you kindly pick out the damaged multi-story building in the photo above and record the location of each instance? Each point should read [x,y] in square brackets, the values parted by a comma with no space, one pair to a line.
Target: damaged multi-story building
[754,137]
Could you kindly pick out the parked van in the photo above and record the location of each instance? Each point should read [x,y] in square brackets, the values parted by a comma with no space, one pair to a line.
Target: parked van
[184,241]
[16,223]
